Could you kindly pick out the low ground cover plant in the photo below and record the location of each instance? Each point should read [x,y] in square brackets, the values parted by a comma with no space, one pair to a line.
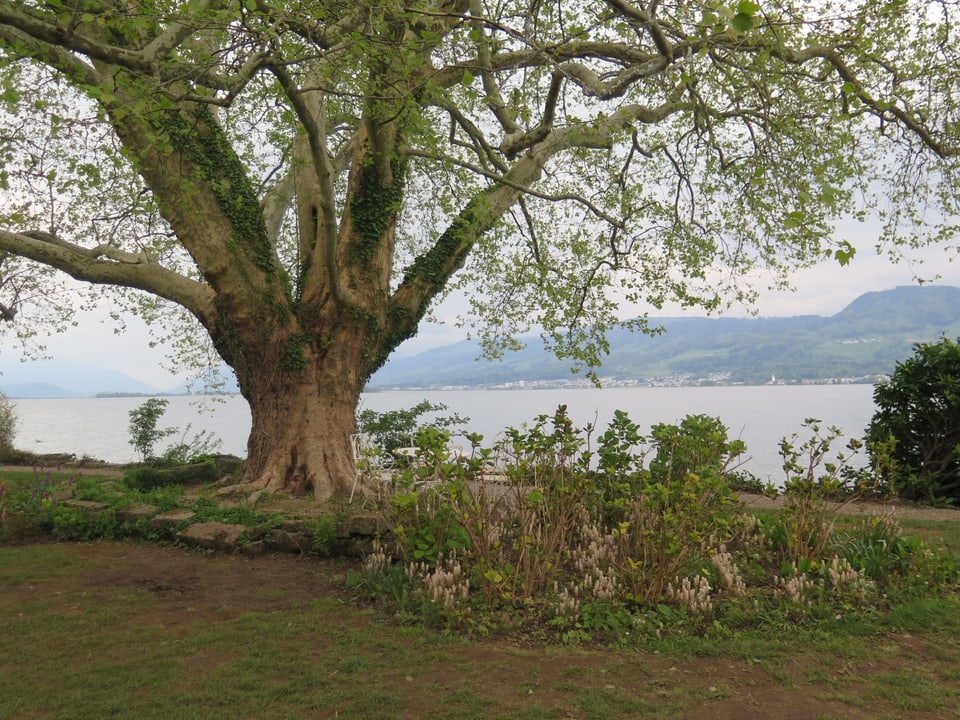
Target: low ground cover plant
[27,500]
[615,536]
[32,504]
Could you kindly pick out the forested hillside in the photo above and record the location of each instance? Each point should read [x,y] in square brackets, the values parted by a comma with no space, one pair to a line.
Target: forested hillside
[863,340]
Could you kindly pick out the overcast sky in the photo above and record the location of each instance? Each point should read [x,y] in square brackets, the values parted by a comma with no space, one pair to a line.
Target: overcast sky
[824,290]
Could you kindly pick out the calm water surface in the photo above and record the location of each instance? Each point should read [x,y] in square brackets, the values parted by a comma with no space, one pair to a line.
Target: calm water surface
[760,416]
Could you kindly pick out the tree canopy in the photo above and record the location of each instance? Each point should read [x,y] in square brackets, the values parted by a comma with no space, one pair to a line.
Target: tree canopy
[305,179]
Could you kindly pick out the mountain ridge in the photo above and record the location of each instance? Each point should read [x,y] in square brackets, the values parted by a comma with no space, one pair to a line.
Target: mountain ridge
[58,379]
[862,341]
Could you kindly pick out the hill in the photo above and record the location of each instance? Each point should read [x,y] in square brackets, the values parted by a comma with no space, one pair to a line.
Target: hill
[55,379]
[862,341]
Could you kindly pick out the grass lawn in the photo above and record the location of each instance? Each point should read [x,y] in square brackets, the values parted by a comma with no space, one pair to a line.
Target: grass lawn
[114,629]
[137,630]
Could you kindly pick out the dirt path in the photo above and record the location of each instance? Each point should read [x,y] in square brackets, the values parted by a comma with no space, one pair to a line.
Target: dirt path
[897,509]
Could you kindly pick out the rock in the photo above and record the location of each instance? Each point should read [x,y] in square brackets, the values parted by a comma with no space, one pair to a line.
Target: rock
[227,464]
[138,511]
[89,508]
[255,548]
[168,520]
[222,537]
[369,525]
[356,546]
[291,542]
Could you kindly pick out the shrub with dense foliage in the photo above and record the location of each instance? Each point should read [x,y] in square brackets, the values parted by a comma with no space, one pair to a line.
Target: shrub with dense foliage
[914,437]
[8,424]
[144,435]
[392,429]
[619,535]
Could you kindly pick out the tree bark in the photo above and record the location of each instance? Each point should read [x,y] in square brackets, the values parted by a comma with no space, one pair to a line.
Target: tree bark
[301,425]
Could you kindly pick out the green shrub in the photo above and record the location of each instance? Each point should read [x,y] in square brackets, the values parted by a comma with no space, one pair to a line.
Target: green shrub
[8,425]
[392,429]
[639,538]
[26,506]
[147,477]
[68,523]
[144,433]
[813,477]
[915,434]
[324,535]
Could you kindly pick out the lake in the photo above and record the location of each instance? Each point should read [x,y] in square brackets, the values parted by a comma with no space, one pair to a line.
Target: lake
[758,415]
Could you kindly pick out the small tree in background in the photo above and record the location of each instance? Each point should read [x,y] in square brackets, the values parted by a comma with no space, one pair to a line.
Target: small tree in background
[391,429]
[919,409]
[8,424]
[143,427]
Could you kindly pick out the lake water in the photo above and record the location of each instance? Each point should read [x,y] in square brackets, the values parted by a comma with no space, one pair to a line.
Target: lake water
[759,415]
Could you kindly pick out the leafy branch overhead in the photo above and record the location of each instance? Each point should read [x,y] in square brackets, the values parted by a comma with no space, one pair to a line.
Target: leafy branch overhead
[305,181]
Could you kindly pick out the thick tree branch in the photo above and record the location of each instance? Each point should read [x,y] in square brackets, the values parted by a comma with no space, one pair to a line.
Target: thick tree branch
[276,201]
[478,143]
[60,59]
[176,33]
[19,24]
[37,26]
[503,113]
[645,19]
[313,120]
[429,273]
[105,265]
[513,144]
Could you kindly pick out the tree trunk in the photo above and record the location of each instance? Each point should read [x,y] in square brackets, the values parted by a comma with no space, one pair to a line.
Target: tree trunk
[303,396]
[300,440]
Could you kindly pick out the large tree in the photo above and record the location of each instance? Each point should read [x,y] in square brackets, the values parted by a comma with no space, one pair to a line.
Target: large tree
[305,178]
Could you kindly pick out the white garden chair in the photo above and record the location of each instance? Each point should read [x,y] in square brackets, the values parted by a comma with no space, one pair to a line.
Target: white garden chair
[367,458]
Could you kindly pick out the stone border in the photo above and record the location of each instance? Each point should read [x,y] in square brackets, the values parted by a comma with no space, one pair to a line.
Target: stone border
[355,536]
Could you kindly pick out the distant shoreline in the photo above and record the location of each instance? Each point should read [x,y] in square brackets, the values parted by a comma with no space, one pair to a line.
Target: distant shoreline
[605,383]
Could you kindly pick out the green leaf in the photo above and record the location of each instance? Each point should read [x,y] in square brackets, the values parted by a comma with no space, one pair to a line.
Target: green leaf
[794,219]
[742,22]
[493,576]
[844,254]
[467,77]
